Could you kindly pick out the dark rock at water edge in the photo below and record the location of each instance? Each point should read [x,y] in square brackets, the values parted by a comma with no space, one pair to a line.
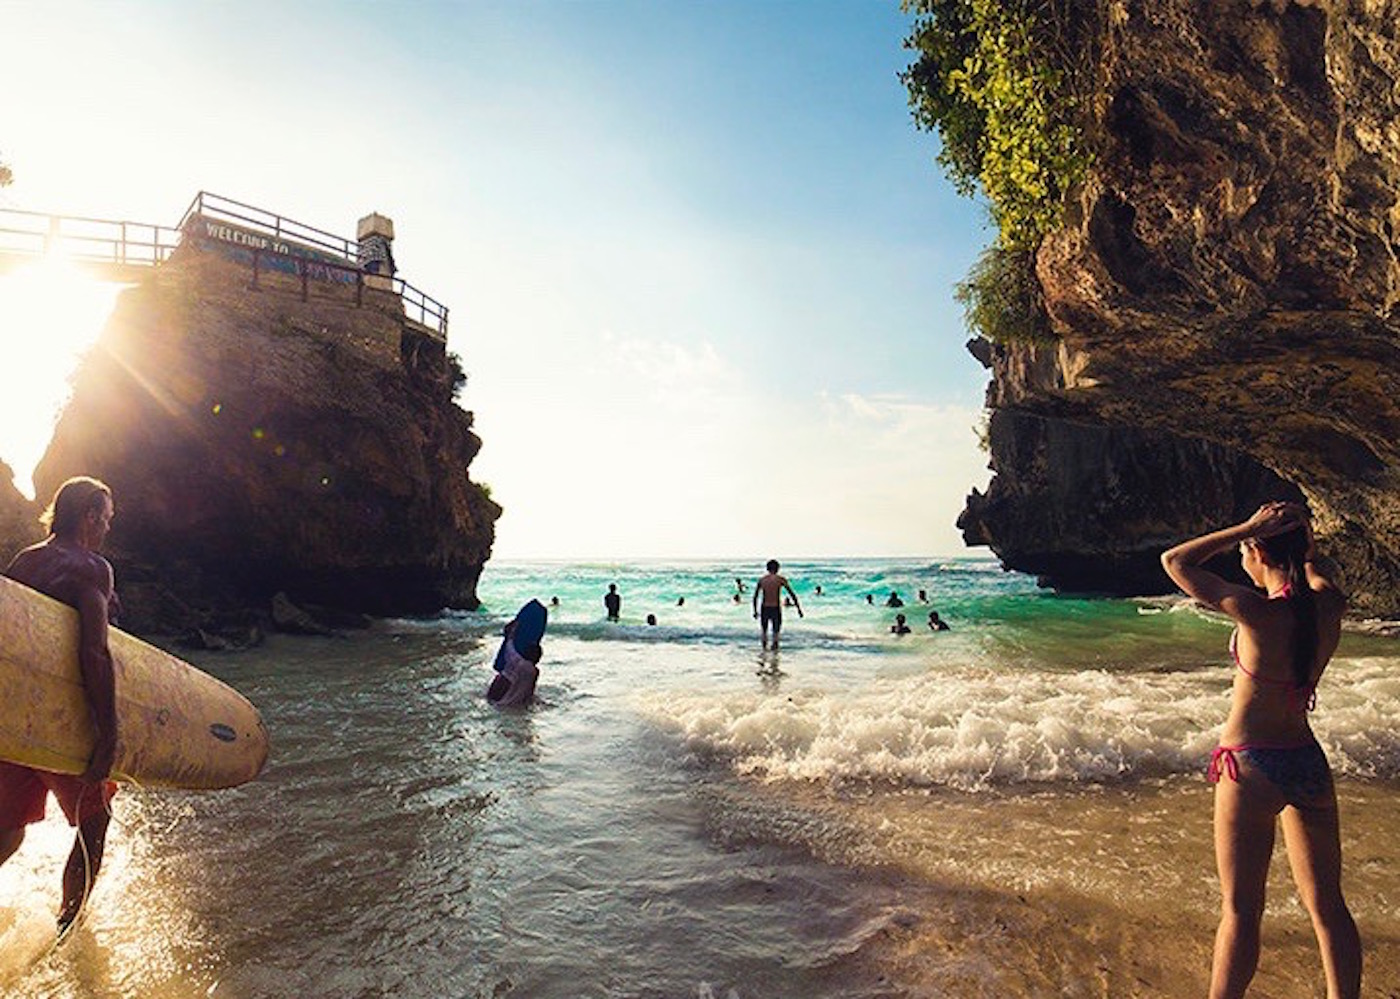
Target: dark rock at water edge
[1229,273]
[1090,509]
[19,518]
[259,444]
[290,618]
[216,641]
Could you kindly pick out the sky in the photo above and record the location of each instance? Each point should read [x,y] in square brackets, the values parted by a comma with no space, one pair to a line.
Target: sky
[700,263]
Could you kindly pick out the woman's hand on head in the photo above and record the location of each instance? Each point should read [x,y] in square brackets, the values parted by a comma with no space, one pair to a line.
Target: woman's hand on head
[1276,518]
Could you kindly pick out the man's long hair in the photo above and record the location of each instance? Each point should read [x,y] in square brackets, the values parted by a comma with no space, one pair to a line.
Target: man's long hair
[73,501]
[1289,551]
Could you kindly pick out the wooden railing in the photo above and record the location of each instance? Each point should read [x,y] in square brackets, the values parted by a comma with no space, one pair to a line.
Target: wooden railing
[219,208]
[102,241]
[430,315]
[124,246]
[419,307]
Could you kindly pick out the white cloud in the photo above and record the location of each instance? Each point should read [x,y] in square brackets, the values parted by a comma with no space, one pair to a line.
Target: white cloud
[660,449]
[628,450]
[873,475]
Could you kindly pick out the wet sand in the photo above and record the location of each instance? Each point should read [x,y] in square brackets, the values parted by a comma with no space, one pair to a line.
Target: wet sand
[1103,893]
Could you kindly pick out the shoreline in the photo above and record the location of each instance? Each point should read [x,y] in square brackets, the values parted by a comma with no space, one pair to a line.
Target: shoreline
[1103,892]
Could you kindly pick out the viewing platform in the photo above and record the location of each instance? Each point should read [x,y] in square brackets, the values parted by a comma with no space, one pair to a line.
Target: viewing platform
[109,249]
[124,251]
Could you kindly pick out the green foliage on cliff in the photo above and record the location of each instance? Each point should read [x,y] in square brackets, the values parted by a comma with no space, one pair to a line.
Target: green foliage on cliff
[996,79]
[457,374]
[1001,298]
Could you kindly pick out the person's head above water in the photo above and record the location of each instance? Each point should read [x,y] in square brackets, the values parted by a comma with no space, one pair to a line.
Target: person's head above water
[772,565]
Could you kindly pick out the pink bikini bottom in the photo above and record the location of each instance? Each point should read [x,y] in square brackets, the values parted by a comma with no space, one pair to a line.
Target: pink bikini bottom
[1300,772]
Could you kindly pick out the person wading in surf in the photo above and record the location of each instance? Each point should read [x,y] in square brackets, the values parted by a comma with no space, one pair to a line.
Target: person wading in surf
[1268,764]
[66,566]
[770,588]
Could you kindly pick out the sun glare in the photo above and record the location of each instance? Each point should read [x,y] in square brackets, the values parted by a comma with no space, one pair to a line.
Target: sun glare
[50,313]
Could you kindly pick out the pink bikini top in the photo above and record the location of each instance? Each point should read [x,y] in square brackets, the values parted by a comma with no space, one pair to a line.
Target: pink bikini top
[1302,699]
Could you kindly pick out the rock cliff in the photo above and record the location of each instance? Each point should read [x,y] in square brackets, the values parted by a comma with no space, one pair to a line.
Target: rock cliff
[1090,508]
[1225,287]
[258,444]
[19,518]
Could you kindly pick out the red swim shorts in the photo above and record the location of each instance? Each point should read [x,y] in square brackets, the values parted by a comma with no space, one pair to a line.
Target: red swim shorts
[23,792]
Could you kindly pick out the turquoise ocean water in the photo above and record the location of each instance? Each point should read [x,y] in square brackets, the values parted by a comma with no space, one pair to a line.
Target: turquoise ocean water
[685,814]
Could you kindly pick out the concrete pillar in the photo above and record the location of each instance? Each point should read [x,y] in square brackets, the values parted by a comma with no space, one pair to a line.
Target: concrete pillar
[375,235]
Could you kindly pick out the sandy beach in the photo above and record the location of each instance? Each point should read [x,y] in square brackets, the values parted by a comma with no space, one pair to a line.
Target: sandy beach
[1106,894]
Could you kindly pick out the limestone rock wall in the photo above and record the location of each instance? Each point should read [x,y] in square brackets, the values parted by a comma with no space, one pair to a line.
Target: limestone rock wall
[1230,272]
[256,444]
[1089,508]
[19,518]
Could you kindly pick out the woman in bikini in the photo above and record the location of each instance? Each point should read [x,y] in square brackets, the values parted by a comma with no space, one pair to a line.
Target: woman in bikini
[1268,763]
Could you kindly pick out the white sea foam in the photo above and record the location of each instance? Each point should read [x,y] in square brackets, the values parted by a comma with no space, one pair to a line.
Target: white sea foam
[971,729]
[1379,627]
[1358,716]
[964,730]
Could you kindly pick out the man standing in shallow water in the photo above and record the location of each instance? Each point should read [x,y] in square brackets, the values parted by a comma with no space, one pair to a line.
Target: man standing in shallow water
[66,566]
[770,588]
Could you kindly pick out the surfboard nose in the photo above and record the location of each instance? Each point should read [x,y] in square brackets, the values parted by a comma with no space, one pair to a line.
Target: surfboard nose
[264,741]
[244,751]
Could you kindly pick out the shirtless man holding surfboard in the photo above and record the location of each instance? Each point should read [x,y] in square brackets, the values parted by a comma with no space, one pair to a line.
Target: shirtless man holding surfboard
[770,587]
[66,566]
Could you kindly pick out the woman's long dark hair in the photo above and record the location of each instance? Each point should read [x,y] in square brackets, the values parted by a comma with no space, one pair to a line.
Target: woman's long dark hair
[1289,551]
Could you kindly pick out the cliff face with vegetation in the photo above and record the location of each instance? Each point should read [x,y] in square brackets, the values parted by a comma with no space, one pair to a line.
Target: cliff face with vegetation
[1224,290]
[258,444]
